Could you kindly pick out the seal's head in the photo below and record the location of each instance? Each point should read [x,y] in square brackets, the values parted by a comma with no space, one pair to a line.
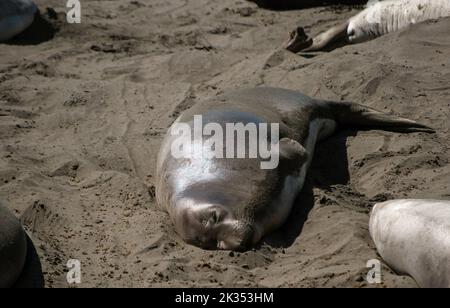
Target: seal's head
[220,214]
[214,226]
[240,203]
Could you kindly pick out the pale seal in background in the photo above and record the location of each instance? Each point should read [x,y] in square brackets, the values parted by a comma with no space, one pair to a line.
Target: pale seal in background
[377,19]
[225,203]
[15,17]
[13,248]
[413,238]
[300,4]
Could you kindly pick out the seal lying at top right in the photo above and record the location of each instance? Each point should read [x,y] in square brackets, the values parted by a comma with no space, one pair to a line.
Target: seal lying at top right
[413,237]
[376,20]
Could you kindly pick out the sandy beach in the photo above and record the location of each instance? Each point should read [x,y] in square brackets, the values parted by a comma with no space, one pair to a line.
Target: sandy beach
[84,109]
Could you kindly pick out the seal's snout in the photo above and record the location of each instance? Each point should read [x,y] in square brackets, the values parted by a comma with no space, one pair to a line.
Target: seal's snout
[238,239]
[214,227]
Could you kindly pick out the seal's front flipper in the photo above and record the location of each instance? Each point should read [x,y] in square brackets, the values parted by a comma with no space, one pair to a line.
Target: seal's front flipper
[292,154]
[362,116]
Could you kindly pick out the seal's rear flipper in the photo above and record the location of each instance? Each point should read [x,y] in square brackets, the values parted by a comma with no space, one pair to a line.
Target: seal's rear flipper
[362,116]
[326,41]
[298,40]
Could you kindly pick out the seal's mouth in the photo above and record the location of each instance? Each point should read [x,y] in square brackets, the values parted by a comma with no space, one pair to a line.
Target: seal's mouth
[242,240]
[225,236]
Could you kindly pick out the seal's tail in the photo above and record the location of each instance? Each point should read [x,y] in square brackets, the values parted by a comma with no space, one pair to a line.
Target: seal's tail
[362,116]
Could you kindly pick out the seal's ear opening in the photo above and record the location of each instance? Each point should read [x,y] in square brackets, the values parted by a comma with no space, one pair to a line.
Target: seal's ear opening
[292,155]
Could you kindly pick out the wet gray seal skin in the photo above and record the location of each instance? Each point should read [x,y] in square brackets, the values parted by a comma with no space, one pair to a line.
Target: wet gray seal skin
[413,238]
[15,17]
[13,248]
[231,204]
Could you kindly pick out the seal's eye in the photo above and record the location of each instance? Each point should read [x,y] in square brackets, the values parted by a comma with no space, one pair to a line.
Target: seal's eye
[214,217]
[211,220]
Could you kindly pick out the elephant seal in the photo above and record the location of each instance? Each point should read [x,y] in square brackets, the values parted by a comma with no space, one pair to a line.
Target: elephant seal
[225,202]
[15,17]
[413,237]
[376,20]
[13,248]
